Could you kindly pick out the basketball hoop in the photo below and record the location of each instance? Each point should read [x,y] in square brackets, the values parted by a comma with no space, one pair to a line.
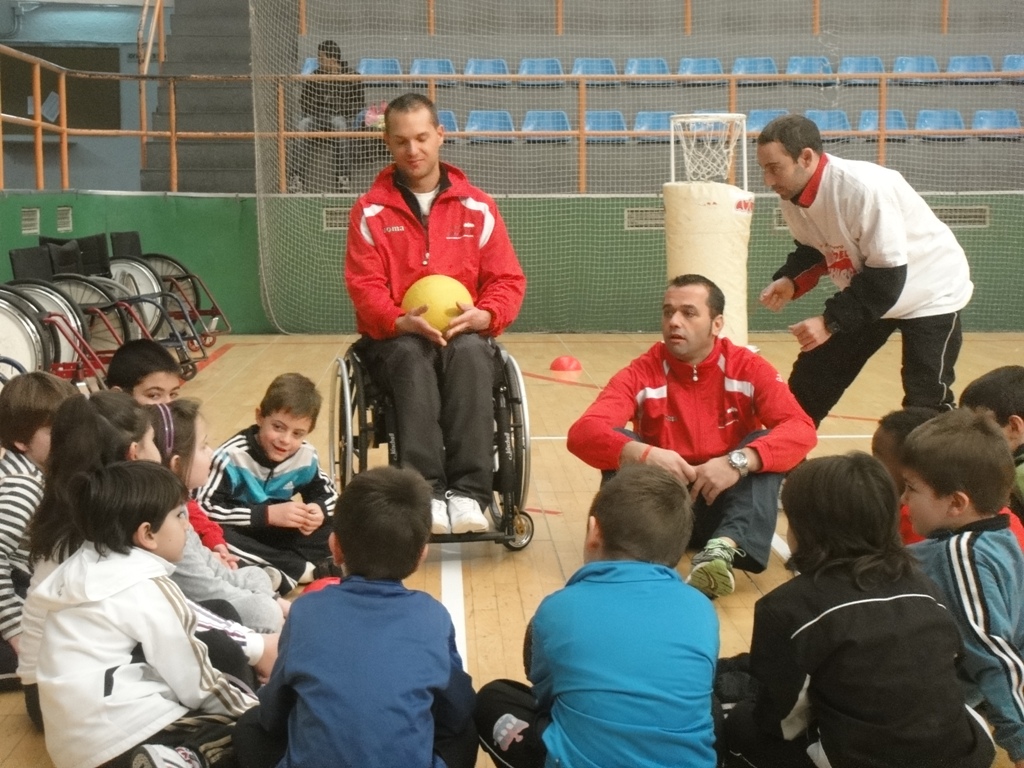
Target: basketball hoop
[708,141]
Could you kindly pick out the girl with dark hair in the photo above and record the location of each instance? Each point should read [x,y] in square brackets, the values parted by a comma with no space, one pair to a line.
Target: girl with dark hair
[854,658]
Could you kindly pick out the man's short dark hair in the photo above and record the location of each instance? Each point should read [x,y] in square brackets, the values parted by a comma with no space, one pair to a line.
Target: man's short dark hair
[330,49]
[962,451]
[794,132]
[901,423]
[382,521]
[716,299]
[295,394]
[28,402]
[645,514]
[410,102]
[1000,391]
[135,360]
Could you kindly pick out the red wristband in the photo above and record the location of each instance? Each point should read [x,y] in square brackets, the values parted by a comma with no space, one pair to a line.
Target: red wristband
[643,456]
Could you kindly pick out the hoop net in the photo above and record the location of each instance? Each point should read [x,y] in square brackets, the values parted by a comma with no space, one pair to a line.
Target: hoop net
[708,141]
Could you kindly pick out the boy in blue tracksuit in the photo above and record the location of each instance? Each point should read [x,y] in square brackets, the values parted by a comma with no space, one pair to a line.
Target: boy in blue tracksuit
[622,659]
[256,476]
[958,472]
[367,671]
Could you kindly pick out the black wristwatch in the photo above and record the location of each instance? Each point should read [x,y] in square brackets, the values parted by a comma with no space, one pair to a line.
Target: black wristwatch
[738,461]
[832,326]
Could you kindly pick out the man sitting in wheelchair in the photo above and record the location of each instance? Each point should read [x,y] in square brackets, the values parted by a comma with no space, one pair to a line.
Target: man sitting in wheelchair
[422,217]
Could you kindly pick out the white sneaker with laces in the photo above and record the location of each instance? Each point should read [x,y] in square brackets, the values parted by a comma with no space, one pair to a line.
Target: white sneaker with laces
[159,756]
[465,515]
[439,522]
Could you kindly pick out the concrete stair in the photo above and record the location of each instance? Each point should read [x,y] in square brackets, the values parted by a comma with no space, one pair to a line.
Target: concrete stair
[206,37]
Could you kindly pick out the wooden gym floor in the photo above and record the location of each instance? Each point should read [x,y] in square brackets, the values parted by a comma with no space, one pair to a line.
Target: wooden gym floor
[491,592]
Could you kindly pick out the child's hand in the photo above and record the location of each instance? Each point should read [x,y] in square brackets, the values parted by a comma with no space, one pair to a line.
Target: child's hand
[314,519]
[290,514]
[229,560]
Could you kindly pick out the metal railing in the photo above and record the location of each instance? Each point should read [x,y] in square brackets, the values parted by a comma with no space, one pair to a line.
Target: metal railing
[579,85]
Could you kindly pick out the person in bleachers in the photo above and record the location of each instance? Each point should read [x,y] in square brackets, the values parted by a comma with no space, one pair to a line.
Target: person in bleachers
[896,265]
[327,105]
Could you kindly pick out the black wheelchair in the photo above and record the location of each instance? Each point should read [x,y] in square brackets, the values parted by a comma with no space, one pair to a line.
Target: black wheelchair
[361,419]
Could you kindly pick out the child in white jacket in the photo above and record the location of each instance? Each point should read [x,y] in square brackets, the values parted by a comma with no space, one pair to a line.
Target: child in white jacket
[122,679]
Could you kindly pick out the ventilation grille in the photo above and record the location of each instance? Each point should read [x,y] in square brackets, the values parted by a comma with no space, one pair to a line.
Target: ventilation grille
[65,219]
[30,221]
[644,218]
[964,216]
[335,219]
[954,216]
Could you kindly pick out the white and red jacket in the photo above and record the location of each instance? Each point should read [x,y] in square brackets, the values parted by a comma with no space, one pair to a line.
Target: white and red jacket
[390,247]
[699,411]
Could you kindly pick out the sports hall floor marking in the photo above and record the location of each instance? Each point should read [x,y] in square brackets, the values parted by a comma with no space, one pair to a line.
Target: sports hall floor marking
[452,597]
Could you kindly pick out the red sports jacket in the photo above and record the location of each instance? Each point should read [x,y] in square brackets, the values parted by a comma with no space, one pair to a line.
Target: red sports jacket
[700,411]
[389,249]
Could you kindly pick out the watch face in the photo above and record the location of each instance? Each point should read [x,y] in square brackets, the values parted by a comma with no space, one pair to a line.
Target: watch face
[738,459]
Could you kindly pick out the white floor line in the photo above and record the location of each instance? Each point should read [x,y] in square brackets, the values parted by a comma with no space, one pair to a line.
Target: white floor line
[452,597]
[781,547]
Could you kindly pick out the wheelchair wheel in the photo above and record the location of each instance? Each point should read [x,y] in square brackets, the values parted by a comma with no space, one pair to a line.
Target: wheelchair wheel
[521,532]
[361,433]
[107,323]
[56,301]
[139,279]
[21,338]
[184,283]
[29,305]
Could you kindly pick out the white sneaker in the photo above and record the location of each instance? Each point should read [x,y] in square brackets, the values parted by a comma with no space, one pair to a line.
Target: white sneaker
[439,517]
[159,756]
[465,515]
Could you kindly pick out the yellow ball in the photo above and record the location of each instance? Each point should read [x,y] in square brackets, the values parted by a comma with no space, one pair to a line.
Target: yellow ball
[440,293]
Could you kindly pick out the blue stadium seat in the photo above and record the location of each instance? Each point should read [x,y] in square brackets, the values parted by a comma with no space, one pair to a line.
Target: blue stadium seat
[605,120]
[538,66]
[652,121]
[829,120]
[433,67]
[447,119]
[706,66]
[647,66]
[486,67]
[591,66]
[866,64]
[490,120]
[915,65]
[809,65]
[939,120]
[994,119]
[1014,62]
[894,121]
[757,119]
[753,65]
[542,120]
[370,66]
[971,64]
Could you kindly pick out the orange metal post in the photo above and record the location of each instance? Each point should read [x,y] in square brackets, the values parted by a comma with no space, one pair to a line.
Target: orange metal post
[816,17]
[688,17]
[302,17]
[37,105]
[62,93]
[282,161]
[160,32]
[945,17]
[559,17]
[431,17]
[173,121]
[581,117]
